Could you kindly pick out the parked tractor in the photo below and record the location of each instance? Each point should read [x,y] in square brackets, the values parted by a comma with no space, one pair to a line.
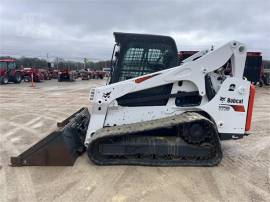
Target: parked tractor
[100,74]
[65,74]
[29,72]
[85,74]
[9,71]
[88,74]
[53,73]
[97,74]
[253,67]
[266,73]
[46,74]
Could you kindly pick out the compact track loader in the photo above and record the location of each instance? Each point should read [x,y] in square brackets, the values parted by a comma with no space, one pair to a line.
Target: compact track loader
[154,111]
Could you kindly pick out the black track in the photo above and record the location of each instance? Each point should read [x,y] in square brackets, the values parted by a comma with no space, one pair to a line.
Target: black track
[183,140]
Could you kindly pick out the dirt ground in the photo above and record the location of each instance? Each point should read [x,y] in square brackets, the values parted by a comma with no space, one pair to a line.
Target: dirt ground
[27,114]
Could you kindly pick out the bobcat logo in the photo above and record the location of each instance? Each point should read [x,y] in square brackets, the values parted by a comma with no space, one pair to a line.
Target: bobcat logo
[231,100]
[222,99]
[106,95]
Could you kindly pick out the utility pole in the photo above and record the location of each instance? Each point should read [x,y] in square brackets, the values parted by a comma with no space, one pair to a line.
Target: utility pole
[84,62]
[57,62]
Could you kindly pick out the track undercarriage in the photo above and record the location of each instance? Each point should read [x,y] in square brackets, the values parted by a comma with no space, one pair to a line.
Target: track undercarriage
[183,140]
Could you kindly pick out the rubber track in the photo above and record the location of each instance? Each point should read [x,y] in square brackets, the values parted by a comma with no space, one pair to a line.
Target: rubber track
[132,129]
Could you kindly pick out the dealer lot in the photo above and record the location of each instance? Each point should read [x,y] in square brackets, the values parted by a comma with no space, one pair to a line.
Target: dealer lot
[27,114]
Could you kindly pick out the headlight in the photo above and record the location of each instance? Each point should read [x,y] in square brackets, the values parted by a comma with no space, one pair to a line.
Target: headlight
[92,94]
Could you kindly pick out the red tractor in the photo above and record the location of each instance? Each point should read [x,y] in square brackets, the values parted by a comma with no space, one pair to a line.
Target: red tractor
[53,73]
[46,74]
[100,74]
[9,72]
[85,74]
[65,74]
[28,72]
[97,74]
[265,74]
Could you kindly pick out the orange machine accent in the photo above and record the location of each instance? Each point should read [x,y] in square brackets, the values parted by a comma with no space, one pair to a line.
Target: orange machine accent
[238,108]
[141,79]
[250,107]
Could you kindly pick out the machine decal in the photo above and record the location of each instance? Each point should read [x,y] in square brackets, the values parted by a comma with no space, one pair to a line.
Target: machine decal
[238,108]
[223,108]
[231,100]
[226,107]
[222,99]
[106,95]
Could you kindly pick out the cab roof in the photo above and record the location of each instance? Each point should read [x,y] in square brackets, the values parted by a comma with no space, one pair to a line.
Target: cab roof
[121,37]
[7,60]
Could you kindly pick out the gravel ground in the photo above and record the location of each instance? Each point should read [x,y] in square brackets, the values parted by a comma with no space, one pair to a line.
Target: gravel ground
[27,114]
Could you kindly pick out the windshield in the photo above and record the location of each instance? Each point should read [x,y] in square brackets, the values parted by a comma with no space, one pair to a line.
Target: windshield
[136,55]
[11,65]
[3,65]
[140,59]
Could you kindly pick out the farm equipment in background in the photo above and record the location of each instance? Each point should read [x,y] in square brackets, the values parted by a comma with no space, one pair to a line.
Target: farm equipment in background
[107,71]
[97,74]
[92,74]
[253,67]
[265,75]
[85,74]
[77,74]
[100,74]
[46,74]
[65,74]
[29,72]
[9,72]
[53,73]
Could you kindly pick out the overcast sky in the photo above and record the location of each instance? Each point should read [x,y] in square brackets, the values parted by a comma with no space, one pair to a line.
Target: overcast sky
[74,29]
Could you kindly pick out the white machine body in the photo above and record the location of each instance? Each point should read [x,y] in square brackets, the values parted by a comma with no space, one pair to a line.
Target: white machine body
[227,109]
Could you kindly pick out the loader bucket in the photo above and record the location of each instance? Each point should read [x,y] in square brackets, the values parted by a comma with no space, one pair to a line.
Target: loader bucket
[59,148]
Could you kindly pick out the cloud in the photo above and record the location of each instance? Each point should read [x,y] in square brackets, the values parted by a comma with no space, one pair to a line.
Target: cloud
[77,29]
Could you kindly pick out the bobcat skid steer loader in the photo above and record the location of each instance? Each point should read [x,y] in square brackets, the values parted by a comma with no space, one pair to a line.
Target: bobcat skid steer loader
[154,111]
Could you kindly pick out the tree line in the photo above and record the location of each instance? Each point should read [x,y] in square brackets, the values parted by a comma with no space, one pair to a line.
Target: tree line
[41,63]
